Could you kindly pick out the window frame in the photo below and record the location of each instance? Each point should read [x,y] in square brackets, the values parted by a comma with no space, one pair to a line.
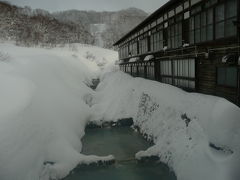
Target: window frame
[227,85]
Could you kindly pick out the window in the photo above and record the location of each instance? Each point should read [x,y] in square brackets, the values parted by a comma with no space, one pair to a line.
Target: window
[157,41]
[209,3]
[150,70]
[227,76]
[209,26]
[219,21]
[175,33]
[186,4]
[143,44]
[184,73]
[165,24]
[179,9]
[231,15]
[134,70]
[194,2]
[201,27]
[166,68]
[160,20]
[171,13]
[226,13]
[186,15]
[153,24]
[178,72]
[128,68]
[133,48]
[165,16]
[141,70]
[123,51]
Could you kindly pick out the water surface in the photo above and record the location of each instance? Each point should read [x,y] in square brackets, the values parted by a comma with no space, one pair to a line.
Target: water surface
[123,143]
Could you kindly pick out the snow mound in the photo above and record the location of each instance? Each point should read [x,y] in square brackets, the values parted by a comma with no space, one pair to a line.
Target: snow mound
[43,110]
[195,134]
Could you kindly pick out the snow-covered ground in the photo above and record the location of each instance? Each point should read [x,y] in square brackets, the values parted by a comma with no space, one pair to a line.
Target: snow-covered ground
[196,135]
[44,108]
[97,31]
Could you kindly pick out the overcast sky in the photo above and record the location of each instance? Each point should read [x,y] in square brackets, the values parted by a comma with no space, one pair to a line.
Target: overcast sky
[97,5]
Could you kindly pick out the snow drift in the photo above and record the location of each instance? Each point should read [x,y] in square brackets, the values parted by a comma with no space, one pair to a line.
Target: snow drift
[197,135]
[43,110]
[46,103]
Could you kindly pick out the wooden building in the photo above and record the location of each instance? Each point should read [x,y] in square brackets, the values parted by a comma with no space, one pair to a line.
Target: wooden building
[191,44]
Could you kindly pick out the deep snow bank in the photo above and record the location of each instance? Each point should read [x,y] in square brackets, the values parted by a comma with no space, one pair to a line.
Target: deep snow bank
[43,110]
[197,135]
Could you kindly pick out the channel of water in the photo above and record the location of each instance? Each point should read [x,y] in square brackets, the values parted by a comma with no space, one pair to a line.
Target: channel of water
[123,143]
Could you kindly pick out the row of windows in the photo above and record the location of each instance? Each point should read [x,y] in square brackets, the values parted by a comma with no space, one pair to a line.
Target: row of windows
[145,70]
[181,73]
[168,15]
[176,72]
[205,23]
[202,28]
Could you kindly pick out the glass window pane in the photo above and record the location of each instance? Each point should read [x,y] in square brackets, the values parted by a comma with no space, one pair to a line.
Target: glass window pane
[219,30]
[194,2]
[210,16]
[179,9]
[203,19]
[209,32]
[186,15]
[221,76]
[192,24]
[230,30]
[197,21]
[231,76]
[191,37]
[186,4]
[197,36]
[203,34]
[231,8]
[192,68]
[186,67]
[220,12]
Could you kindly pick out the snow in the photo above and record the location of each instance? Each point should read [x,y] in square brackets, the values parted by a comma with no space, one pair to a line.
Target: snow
[148,58]
[97,31]
[135,59]
[184,126]
[46,103]
[43,109]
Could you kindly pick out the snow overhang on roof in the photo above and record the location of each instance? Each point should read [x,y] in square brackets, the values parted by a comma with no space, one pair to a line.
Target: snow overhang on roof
[135,59]
[148,58]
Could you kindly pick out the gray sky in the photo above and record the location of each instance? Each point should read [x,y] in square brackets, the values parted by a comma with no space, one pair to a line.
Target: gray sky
[98,5]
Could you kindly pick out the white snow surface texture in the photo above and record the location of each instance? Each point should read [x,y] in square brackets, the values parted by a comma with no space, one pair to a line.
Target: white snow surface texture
[44,108]
[182,125]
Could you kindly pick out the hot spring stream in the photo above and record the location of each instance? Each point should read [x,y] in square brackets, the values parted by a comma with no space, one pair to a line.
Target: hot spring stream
[123,143]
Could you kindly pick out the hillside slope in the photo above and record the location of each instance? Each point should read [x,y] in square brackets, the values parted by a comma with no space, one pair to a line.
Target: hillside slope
[117,23]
